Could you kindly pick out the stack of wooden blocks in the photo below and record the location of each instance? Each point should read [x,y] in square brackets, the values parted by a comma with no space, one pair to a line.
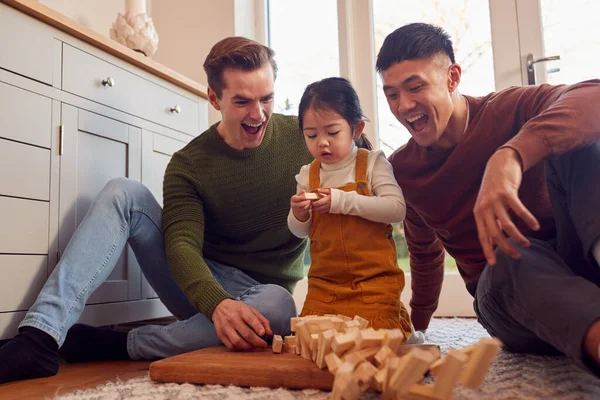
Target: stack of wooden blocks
[362,358]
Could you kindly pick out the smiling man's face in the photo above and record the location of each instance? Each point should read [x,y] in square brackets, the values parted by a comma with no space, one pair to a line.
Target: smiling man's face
[418,93]
[246,105]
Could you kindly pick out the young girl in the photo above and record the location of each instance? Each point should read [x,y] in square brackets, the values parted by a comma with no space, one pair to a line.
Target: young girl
[354,268]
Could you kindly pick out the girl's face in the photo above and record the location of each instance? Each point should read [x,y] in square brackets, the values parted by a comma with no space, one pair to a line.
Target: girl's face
[328,135]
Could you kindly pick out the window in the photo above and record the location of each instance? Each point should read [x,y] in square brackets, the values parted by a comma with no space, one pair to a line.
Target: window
[563,21]
[467,22]
[306,47]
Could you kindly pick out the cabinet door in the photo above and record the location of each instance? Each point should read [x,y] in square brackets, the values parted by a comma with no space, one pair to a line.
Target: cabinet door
[97,149]
[156,154]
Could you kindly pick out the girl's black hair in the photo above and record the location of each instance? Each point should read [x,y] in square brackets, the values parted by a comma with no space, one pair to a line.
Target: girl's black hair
[338,95]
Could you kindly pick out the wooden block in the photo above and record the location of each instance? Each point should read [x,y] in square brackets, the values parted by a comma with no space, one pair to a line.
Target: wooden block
[411,370]
[338,323]
[380,378]
[407,348]
[353,358]
[305,339]
[370,338]
[290,339]
[363,322]
[311,196]
[289,348]
[324,346]
[369,353]
[364,374]
[394,339]
[468,350]
[351,324]
[277,344]
[345,387]
[479,362]
[435,368]
[420,392]
[392,363]
[333,362]
[314,346]
[293,322]
[381,355]
[326,325]
[448,374]
[343,342]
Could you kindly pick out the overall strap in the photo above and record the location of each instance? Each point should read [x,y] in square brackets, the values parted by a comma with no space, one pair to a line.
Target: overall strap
[314,176]
[362,158]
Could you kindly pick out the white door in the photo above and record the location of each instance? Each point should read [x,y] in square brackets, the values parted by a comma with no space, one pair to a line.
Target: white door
[157,151]
[559,40]
[97,149]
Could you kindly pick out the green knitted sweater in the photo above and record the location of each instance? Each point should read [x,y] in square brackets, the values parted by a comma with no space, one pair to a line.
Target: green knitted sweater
[231,206]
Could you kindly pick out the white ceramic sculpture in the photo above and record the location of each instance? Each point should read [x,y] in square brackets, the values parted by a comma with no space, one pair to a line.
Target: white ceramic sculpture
[135,31]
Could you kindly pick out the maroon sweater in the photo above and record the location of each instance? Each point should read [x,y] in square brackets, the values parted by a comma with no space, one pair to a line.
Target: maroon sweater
[441,187]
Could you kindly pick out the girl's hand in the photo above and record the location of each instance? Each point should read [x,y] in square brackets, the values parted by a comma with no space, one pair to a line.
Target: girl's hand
[300,207]
[323,205]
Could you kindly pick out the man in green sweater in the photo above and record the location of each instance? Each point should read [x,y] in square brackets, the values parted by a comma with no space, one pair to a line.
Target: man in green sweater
[222,235]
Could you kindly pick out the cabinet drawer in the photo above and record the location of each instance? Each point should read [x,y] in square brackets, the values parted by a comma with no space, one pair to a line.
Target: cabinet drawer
[24,227]
[24,171]
[84,73]
[22,280]
[27,45]
[26,116]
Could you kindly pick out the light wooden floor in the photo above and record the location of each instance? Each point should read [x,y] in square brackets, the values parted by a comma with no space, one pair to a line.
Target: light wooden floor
[72,377]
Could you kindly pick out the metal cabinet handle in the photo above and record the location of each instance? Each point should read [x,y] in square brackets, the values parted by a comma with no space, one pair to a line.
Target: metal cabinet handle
[110,82]
[175,109]
[532,61]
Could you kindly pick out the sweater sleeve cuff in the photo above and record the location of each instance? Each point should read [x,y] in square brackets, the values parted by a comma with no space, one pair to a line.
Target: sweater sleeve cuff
[531,150]
[210,299]
[420,319]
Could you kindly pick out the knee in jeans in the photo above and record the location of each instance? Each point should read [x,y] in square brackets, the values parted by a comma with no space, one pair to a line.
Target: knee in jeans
[121,189]
[278,309]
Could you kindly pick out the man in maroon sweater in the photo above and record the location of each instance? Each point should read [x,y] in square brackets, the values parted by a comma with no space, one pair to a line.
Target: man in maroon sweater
[509,185]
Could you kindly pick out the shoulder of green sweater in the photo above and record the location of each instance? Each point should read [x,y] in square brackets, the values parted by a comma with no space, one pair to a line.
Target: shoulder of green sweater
[200,143]
[288,120]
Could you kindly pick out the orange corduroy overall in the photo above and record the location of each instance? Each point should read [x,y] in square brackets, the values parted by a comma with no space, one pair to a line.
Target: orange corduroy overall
[354,269]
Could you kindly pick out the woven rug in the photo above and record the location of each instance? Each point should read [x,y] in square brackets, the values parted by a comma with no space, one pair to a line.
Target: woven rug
[511,376]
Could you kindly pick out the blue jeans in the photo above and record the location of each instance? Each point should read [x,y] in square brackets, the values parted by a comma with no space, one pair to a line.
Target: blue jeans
[125,211]
[546,301]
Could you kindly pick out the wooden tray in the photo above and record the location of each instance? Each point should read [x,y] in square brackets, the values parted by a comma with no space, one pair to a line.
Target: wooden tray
[217,365]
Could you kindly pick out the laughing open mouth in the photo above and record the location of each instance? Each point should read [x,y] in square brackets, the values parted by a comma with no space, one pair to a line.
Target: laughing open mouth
[252,129]
[418,122]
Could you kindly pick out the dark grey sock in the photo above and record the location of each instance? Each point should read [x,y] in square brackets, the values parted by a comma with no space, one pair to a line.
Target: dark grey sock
[88,343]
[31,354]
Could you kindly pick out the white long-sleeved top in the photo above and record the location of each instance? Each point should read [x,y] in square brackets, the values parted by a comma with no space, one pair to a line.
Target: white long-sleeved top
[386,204]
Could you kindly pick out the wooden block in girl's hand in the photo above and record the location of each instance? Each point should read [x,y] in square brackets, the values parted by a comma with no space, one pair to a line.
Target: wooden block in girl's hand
[311,196]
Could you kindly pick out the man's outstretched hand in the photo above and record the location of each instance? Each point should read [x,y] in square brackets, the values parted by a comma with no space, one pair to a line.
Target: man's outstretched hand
[240,326]
[500,192]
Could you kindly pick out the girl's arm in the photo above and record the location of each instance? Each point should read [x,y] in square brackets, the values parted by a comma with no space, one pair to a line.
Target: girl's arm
[300,228]
[386,204]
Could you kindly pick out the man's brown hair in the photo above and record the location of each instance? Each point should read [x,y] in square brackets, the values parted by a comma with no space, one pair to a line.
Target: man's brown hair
[235,52]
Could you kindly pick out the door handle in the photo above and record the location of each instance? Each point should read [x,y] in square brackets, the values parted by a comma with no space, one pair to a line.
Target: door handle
[531,63]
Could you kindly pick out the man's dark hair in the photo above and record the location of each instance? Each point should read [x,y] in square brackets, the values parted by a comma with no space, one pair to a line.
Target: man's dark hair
[411,42]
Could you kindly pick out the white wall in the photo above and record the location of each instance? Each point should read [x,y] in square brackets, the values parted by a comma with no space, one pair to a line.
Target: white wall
[94,14]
